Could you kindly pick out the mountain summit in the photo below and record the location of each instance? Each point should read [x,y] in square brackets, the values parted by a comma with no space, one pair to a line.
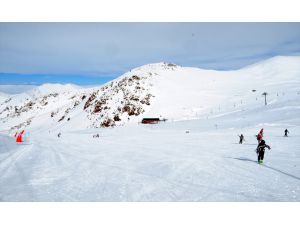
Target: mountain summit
[163,90]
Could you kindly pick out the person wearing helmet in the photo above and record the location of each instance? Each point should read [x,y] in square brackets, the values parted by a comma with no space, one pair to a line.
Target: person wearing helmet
[260,150]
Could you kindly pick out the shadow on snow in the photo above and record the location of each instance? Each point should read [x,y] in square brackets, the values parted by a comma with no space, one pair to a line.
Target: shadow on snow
[269,167]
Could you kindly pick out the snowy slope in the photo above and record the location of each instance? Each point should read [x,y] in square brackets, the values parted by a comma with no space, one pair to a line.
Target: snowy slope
[39,106]
[3,97]
[153,163]
[194,156]
[155,90]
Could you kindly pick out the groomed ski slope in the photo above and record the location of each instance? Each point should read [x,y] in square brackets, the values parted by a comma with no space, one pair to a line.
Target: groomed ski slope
[152,163]
[195,158]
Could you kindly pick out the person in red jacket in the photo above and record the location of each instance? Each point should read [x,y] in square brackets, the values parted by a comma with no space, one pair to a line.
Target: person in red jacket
[260,135]
[259,138]
[19,138]
[262,131]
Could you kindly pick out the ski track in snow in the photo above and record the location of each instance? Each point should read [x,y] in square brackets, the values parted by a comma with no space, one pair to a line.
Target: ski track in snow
[155,164]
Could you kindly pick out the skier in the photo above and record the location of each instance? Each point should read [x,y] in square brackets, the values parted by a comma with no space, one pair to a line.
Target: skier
[259,138]
[260,150]
[261,132]
[260,135]
[96,136]
[286,132]
[241,138]
[58,135]
[20,136]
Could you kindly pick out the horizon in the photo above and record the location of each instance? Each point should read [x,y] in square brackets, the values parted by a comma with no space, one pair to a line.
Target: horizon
[7,79]
[21,86]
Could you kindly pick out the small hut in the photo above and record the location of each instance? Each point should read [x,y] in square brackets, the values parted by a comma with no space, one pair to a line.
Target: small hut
[152,120]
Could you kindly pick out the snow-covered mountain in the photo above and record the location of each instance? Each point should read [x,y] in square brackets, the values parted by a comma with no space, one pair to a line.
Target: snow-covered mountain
[3,96]
[194,156]
[15,89]
[162,90]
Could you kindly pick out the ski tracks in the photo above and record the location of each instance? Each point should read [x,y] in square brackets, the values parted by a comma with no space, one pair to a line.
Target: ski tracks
[9,163]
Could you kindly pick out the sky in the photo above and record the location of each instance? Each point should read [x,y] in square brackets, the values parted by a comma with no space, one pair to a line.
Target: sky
[94,53]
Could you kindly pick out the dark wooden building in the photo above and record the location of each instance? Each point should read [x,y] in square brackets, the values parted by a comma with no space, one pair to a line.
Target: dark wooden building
[152,120]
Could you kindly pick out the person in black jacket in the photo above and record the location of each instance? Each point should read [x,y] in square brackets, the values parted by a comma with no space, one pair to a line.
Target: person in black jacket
[260,150]
[286,132]
[241,138]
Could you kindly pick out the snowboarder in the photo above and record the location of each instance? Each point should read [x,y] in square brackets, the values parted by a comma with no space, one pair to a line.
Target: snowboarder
[286,132]
[59,134]
[260,150]
[241,138]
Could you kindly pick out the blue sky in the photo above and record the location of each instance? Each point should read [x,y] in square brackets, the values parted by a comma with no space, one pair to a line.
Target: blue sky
[93,53]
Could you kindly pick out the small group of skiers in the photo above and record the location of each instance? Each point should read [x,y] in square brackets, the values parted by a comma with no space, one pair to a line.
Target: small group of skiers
[260,150]
[96,136]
